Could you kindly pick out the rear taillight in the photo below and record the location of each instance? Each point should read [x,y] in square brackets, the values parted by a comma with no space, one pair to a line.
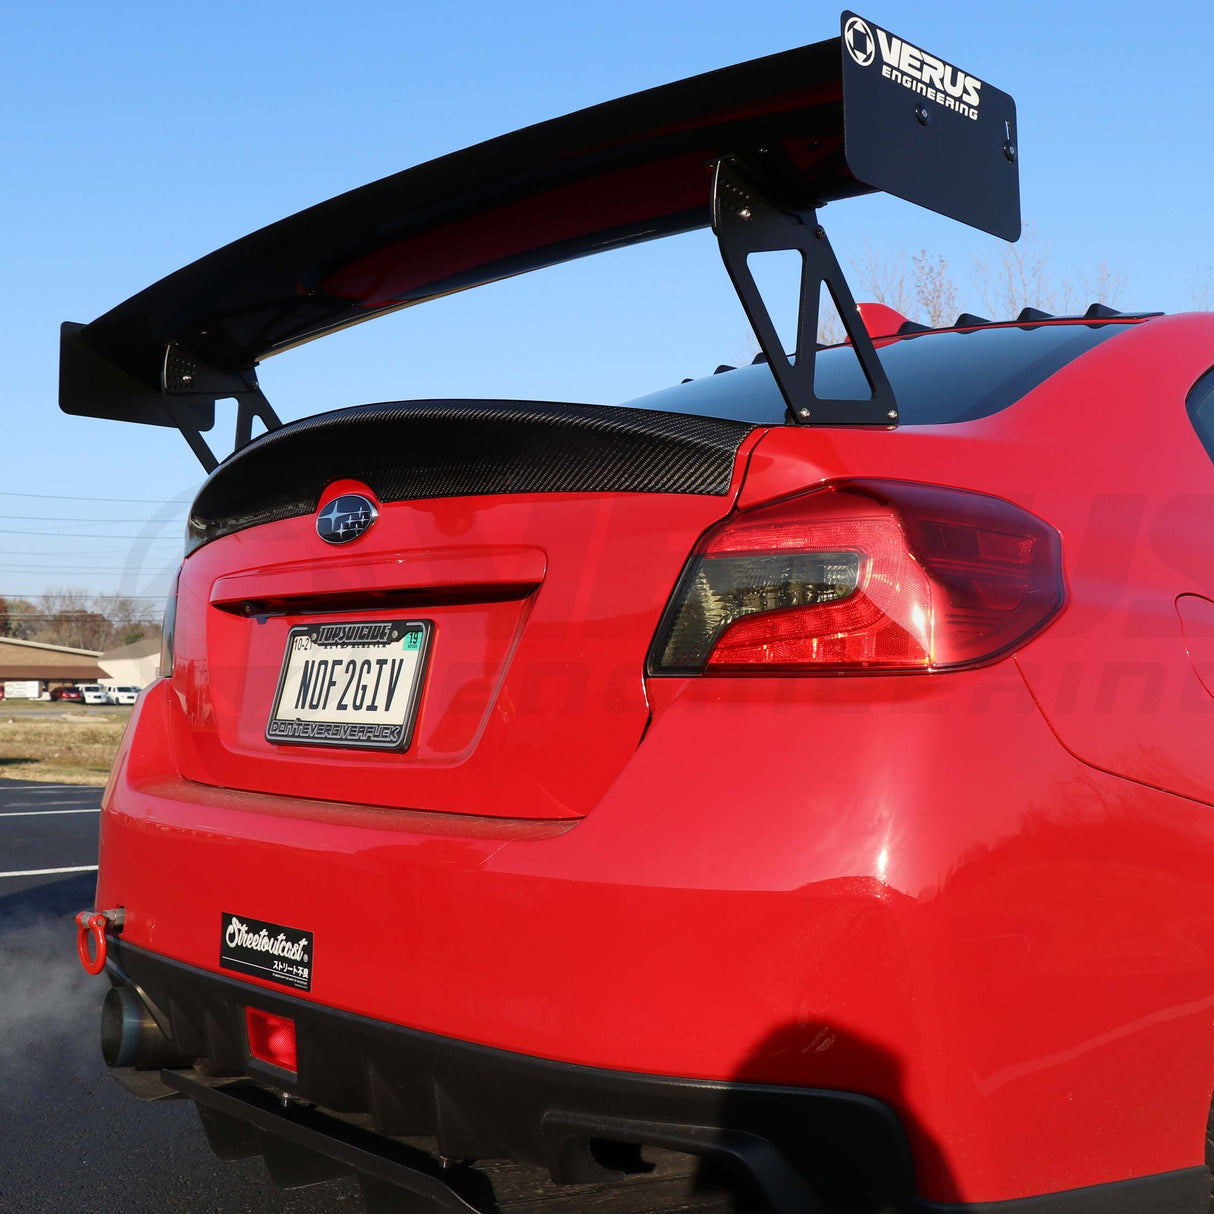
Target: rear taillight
[862,575]
[168,628]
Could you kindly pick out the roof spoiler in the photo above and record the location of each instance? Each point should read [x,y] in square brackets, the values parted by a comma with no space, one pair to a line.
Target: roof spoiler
[752,150]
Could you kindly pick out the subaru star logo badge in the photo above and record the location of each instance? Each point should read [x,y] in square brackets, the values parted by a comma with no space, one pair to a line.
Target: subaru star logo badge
[858,39]
[345,518]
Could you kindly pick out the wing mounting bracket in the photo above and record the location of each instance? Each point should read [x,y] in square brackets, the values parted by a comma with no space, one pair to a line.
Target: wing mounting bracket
[185,380]
[747,218]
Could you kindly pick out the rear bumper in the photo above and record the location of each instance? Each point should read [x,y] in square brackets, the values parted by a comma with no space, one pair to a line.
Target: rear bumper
[798,1150]
[904,889]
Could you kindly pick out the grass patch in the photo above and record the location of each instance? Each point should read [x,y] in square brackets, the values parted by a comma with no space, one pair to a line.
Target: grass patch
[64,746]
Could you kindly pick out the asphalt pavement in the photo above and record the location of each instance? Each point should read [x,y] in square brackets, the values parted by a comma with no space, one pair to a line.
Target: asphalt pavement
[71,1140]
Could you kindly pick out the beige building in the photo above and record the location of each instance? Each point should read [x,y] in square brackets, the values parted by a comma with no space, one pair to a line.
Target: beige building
[131,665]
[31,668]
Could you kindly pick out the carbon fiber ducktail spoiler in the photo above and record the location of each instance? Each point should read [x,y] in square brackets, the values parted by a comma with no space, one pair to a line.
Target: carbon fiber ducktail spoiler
[752,149]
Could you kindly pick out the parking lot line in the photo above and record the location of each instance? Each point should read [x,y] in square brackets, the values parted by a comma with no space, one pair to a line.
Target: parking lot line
[51,872]
[84,794]
[42,802]
[46,813]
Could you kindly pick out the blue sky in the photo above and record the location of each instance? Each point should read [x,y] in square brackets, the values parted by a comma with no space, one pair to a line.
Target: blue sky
[136,137]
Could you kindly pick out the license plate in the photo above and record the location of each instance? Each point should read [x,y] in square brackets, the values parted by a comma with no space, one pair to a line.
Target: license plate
[354,684]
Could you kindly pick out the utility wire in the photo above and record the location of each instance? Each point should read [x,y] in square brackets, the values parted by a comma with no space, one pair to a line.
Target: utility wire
[65,497]
[74,569]
[42,518]
[101,539]
[150,598]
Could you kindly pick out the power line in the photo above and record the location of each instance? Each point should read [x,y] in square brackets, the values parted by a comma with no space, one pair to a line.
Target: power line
[173,534]
[74,569]
[149,598]
[65,497]
[42,518]
[45,549]
[54,615]
[104,539]
[67,558]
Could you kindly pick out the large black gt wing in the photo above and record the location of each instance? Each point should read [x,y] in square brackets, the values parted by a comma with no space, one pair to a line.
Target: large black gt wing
[853,114]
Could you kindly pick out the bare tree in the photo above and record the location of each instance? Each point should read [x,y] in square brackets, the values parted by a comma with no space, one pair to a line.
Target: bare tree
[1105,284]
[935,289]
[919,287]
[1022,276]
[131,619]
[1201,289]
[922,286]
[70,619]
[885,277]
[73,617]
[1018,278]
[830,324]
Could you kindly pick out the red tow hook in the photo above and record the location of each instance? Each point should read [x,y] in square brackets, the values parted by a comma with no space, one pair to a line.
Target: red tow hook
[93,924]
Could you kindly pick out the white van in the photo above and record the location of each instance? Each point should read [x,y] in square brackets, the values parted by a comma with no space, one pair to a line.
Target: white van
[94,693]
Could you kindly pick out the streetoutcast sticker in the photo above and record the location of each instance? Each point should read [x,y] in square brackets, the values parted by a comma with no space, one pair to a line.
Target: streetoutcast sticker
[266,950]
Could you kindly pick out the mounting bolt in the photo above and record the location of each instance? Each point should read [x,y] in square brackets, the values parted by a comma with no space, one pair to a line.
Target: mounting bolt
[1009,150]
[820,232]
[802,412]
[892,415]
[923,114]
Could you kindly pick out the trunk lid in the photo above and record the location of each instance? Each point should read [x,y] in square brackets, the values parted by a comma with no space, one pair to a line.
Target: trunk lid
[536,544]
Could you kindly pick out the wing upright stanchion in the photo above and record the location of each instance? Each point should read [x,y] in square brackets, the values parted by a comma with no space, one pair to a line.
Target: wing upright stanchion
[746,220]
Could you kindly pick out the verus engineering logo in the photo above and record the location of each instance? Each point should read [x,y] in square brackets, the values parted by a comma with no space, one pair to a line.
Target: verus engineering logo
[858,38]
[914,69]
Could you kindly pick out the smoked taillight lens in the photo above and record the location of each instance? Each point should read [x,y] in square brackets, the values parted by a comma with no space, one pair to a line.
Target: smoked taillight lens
[862,575]
[167,631]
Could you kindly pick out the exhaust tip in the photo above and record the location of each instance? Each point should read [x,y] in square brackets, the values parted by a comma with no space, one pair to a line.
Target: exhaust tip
[123,1021]
[130,1036]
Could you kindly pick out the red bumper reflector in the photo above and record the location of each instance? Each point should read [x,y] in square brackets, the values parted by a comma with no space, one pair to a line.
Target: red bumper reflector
[271,1038]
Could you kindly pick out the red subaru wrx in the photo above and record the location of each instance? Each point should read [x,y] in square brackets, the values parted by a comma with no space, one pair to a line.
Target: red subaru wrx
[792,789]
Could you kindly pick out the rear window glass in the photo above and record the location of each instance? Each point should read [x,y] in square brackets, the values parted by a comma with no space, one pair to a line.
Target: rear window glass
[936,377]
[1201,411]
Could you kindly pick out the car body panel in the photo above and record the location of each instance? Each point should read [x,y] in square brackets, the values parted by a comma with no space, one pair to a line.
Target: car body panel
[932,890]
[922,889]
[542,606]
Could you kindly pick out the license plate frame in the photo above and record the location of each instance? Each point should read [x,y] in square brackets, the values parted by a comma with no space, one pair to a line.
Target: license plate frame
[377,638]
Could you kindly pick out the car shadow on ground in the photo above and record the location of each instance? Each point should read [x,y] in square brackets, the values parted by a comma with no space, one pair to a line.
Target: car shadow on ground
[855,1143]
